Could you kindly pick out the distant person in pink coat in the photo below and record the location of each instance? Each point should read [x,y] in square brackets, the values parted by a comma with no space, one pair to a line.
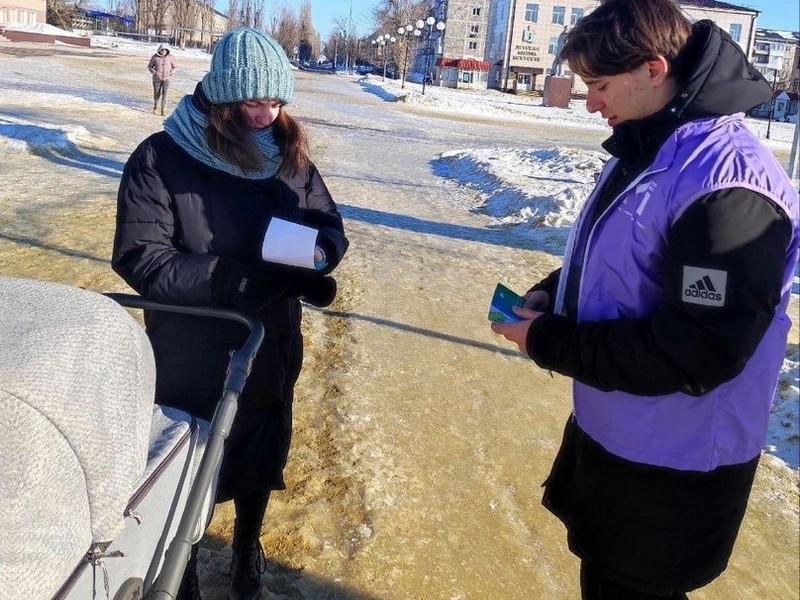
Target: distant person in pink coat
[162,65]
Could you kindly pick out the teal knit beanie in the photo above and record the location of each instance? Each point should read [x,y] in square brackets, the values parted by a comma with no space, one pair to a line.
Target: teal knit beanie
[248,65]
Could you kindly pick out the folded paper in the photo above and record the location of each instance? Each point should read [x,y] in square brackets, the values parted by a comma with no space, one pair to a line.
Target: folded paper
[288,243]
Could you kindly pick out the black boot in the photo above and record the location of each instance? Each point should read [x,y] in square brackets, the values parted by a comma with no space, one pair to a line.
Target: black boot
[248,562]
[190,585]
[247,566]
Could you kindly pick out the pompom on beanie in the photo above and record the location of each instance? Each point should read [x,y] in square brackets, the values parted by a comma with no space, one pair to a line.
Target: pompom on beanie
[248,65]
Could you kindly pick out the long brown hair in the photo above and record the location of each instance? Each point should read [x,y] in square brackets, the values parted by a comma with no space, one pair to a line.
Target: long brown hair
[230,136]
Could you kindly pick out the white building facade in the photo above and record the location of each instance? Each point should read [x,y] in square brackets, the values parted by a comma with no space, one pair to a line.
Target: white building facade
[776,56]
[22,12]
[521,39]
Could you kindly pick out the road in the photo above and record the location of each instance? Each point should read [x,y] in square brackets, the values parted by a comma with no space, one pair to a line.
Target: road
[421,438]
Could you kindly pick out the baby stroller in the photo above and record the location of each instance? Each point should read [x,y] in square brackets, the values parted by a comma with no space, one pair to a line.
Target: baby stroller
[102,491]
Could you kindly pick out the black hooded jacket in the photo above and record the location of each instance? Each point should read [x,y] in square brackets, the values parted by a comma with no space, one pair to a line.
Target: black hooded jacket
[662,351]
[657,530]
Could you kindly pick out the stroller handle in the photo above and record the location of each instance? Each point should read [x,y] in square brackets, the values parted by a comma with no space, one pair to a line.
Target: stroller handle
[241,360]
[166,584]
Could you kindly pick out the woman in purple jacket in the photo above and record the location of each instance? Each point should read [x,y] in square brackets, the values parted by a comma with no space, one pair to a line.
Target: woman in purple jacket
[193,206]
[669,311]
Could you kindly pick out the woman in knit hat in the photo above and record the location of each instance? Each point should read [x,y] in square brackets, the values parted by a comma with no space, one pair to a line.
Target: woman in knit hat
[194,204]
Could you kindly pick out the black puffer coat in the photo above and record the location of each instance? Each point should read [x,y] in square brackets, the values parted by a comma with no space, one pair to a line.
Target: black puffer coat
[654,529]
[179,223]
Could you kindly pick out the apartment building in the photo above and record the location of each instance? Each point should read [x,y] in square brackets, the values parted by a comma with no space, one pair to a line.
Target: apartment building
[520,38]
[461,62]
[523,38]
[775,54]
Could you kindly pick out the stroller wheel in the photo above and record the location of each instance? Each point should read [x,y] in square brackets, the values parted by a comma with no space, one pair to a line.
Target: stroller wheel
[131,589]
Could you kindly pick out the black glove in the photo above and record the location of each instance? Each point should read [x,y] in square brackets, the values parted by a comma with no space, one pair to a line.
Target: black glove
[334,245]
[313,288]
[248,288]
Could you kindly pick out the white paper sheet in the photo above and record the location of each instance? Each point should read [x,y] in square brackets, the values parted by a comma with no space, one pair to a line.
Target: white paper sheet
[288,243]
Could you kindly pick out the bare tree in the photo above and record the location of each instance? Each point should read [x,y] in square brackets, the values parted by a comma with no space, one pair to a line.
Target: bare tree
[184,17]
[390,15]
[259,12]
[61,13]
[233,14]
[151,16]
[124,8]
[309,40]
[287,29]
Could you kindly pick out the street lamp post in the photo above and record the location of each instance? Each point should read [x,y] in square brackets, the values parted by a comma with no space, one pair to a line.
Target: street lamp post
[406,33]
[347,66]
[772,99]
[440,25]
[380,43]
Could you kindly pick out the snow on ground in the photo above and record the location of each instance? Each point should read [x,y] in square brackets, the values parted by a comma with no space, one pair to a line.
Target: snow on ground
[539,192]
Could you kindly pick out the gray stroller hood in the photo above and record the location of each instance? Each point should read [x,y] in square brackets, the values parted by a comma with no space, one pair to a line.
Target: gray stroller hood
[77,380]
[102,492]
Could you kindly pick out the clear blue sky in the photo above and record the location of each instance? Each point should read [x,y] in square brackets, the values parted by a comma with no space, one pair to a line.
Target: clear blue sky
[775,14]
[326,11]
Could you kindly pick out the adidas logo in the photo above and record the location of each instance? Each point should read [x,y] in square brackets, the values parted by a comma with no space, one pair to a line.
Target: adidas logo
[704,286]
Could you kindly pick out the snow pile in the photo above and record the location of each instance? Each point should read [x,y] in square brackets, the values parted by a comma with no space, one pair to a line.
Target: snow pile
[493,103]
[541,192]
[40,28]
[539,187]
[40,139]
[130,46]
[783,439]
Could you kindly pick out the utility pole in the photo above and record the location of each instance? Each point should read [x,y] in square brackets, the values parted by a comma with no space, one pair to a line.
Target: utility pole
[510,32]
[794,157]
[347,39]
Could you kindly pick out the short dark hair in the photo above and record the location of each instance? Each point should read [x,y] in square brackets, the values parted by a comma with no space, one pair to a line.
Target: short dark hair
[621,35]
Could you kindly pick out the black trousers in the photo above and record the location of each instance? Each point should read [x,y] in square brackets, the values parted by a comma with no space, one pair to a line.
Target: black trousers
[596,587]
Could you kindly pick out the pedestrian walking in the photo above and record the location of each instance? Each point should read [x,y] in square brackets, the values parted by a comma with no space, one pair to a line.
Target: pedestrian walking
[669,311]
[195,206]
[162,65]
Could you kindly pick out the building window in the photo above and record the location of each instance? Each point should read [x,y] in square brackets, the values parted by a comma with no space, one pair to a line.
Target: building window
[736,32]
[472,45]
[476,12]
[532,13]
[466,77]
[559,14]
[473,30]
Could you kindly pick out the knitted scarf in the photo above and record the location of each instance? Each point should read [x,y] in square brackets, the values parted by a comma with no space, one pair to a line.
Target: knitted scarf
[186,126]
